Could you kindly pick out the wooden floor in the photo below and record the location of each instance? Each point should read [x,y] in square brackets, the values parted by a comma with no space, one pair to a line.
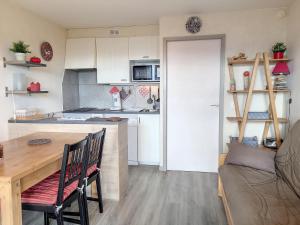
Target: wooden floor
[158,198]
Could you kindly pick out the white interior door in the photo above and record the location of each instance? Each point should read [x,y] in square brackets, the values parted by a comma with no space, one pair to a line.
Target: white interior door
[193,90]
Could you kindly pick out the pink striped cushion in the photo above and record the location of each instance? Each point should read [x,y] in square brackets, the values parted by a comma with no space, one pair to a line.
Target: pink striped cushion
[91,169]
[46,191]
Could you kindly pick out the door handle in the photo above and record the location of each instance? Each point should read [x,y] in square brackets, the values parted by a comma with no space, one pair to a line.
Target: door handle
[215,105]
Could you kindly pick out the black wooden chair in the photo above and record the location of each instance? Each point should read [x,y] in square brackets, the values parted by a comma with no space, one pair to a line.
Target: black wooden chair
[58,191]
[96,142]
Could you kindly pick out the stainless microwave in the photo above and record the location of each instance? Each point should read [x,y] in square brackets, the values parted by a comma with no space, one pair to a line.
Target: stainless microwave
[145,71]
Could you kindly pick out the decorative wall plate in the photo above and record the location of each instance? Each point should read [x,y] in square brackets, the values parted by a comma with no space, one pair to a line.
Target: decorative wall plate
[193,24]
[46,51]
[42,141]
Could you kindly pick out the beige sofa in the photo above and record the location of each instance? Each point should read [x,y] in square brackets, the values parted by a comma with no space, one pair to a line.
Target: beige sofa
[255,197]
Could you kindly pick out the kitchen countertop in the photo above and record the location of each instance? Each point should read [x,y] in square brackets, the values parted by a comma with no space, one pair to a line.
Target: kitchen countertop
[57,121]
[93,112]
[99,111]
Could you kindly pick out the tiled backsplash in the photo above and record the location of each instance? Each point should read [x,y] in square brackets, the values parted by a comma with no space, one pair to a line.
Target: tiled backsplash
[70,90]
[91,94]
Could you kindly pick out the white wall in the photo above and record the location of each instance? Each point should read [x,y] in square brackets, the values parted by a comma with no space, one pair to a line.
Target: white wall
[17,24]
[294,52]
[246,31]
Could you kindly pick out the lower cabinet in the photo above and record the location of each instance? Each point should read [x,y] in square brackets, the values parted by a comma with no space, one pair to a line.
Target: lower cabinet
[132,141]
[143,138]
[148,139]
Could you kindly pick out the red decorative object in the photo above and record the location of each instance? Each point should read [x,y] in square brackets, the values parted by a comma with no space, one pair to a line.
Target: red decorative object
[36,60]
[281,68]
[278,55]
[246,74]
[46,51]
[114,90]
[34,87]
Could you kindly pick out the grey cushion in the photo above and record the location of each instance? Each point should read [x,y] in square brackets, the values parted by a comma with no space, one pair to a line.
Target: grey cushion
[243,155]
[257,197]
[288,159]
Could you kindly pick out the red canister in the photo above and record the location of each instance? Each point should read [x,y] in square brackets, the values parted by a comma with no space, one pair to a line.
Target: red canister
[35,87]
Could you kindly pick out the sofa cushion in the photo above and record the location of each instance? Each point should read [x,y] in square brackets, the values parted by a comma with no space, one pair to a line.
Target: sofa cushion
[256,197]
[288,159]
[257,158]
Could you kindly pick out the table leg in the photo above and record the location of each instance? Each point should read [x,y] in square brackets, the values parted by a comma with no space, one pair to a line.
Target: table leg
[11,208]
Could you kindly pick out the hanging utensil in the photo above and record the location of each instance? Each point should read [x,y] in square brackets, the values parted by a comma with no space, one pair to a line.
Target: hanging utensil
[154,98]
[158,96]
[123,94]
[150,100]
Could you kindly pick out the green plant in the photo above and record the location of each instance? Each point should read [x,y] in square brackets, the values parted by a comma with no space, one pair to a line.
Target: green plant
[279,47]
[20,47]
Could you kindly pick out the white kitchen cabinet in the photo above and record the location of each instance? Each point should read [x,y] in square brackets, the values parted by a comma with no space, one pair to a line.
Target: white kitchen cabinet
[144,48]
[132,136]
[112,60]
[80,53]
[148,139]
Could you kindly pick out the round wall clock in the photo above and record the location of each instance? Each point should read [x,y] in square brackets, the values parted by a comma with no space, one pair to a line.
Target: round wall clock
[193,24]
[46,51]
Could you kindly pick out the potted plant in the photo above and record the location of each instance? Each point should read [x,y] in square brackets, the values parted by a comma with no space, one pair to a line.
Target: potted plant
[20,49]
[278,50]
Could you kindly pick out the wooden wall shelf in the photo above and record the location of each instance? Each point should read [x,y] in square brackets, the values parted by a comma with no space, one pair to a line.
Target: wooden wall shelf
[10,92]
[259,91]
[240,119]
[252,61]
[22,64]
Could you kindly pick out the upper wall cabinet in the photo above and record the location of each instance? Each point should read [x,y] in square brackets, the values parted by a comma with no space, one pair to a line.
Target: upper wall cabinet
[112,60]
[80,53]
[143,48]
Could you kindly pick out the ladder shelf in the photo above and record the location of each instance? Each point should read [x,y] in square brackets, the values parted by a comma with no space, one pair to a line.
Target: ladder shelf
[242,119]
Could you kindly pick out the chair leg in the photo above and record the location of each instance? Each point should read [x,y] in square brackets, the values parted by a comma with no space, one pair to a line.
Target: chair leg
[59,219]
[46,219]
[85,207]
[82,210]
[99,192]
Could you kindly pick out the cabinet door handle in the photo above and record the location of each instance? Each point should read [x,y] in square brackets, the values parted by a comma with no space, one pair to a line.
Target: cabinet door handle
[139,120]
[145,57]
[123,80]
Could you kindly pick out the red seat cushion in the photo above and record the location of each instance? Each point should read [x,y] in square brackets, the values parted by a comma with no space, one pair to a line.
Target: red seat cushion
[91,169]
[46,191]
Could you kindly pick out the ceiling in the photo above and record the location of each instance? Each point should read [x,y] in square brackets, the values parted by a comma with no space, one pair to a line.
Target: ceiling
[107,13]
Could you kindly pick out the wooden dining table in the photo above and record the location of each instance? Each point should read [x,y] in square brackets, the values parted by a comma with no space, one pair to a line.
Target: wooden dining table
[25,165]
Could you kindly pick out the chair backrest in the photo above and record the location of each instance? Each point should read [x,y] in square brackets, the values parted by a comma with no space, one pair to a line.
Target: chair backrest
[96,142]
[74,167]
